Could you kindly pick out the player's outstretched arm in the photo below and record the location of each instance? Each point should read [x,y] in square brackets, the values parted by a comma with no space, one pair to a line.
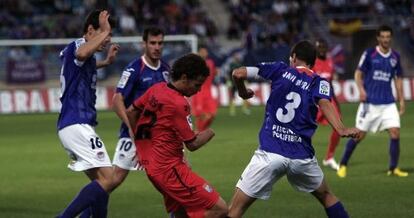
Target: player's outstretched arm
[110,57]
[201,139]
[88,48]
[333,117]
[239,76]
[360,84]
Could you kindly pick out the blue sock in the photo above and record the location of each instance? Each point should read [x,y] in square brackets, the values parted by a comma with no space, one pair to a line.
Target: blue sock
[100,206]
[336,211]
[86,213]
[394,153]
[350,146]
[86,197]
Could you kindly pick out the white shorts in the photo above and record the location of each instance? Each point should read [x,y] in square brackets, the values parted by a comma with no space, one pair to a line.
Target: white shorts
[372,117]
[125,155]
[266,168]
[84,147]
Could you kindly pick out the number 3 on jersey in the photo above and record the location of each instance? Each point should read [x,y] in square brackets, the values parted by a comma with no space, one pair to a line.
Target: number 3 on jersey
[289,108]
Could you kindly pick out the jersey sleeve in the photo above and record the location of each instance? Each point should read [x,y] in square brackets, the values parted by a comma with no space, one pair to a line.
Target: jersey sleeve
[271,70]
[364,62]
[78,43]
[126,82]
[321,89]
[182,122]
[398,68]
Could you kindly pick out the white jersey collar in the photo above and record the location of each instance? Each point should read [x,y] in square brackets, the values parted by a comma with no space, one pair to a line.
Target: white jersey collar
[148,65]
[386,55]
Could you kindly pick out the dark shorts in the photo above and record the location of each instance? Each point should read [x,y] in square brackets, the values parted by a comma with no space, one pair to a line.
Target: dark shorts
[183,188]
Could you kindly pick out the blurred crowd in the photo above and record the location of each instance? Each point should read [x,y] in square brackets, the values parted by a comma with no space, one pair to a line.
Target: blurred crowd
[265,28]
[26,19]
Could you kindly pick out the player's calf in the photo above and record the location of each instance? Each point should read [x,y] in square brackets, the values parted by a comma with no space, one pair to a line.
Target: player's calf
[333,207]
[219,210]
[104,176]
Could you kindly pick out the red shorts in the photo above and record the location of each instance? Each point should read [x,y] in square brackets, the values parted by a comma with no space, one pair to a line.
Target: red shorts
[183,188]
[321,119]
[203,104]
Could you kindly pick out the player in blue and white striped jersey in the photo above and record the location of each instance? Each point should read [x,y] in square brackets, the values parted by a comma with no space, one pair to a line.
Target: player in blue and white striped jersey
[377,111]
[77,118]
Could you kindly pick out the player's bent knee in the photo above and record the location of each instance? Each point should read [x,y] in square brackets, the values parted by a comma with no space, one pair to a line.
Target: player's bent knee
[105,178]
[394,133]
[119,176]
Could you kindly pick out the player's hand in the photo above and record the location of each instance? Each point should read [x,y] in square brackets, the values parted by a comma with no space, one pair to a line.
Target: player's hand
[362,95]
[246,95]
[402,107]
[103,21]
[112,52]
[350,132]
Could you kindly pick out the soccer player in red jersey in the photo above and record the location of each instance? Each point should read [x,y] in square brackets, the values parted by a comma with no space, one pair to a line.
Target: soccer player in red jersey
[204,106]
[325,68]
[162,125]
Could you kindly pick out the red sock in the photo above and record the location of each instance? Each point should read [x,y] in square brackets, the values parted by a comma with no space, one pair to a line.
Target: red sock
[333,142]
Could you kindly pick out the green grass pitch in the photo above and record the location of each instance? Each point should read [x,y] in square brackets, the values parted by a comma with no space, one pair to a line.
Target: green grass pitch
[36,183]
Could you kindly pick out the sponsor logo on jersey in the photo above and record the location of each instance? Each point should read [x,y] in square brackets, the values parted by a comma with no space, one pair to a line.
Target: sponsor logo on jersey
[324,88]
[146,79]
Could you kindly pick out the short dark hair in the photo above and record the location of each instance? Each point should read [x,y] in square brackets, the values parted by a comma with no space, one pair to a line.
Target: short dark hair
[190,64]
[304,51]
[153,31]
[384,28]
[93,19]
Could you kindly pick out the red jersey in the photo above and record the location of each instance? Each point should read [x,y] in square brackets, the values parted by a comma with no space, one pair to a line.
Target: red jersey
[203,101]
[206,87]
[163,126]
[324,68]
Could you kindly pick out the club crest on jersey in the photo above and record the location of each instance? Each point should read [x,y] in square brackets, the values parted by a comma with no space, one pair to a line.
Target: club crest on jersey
[208,188]
[393,62]
[166,76]
[324,88]
[190,121]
